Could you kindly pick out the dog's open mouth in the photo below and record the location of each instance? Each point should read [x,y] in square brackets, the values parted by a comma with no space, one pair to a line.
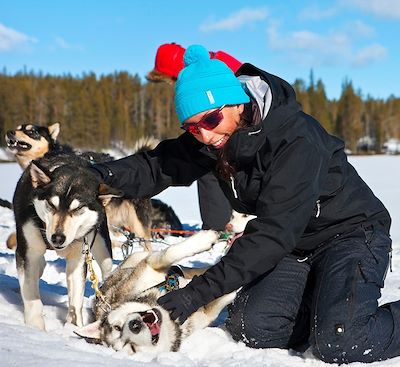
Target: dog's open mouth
[234,237]
[14,144]
[153,319]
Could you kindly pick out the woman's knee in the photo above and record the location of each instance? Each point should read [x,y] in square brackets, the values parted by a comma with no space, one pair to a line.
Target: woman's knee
[259,328]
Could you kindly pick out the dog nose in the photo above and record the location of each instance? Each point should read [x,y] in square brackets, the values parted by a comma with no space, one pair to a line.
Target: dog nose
[57,239]
[135,326]
[229,227]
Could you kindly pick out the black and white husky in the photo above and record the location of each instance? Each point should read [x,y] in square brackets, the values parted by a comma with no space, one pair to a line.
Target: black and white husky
[59,203]
[135,321]
[28,142]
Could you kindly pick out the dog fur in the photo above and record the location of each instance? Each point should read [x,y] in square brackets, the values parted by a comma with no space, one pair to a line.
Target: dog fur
[29,142]
[238,222]
[132,291]
[235,227]
[57,204]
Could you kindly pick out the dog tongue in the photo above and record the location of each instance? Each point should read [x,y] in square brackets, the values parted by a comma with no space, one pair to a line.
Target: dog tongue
[235,236]
[154,328]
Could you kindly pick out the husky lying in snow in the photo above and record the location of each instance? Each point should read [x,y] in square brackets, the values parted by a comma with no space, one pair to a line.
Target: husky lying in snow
[59,203]
[136,322]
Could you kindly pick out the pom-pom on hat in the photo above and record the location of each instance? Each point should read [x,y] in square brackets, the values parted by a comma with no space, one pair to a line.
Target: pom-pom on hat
[205,84]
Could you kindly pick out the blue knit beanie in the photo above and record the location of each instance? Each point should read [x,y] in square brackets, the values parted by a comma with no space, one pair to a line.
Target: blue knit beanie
[204,84]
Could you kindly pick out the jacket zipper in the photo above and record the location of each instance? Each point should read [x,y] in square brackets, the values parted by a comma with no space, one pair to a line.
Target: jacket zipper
[318,208]
[233,188]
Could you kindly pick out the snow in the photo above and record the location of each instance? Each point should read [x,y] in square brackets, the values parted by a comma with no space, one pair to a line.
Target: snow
[23,346]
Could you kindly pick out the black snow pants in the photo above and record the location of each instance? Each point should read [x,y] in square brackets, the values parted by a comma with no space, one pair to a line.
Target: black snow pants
[326,301]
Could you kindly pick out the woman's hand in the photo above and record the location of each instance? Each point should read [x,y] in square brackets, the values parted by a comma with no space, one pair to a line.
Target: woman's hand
[180,304]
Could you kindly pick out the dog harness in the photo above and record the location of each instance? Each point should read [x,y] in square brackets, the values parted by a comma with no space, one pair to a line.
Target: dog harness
[171,282]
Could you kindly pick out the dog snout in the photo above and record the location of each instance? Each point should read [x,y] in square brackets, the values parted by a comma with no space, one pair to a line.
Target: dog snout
[58,239]
[229,227]
[135,326]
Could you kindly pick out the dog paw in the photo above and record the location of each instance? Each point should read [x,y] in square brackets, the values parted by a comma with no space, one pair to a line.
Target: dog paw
[207,238]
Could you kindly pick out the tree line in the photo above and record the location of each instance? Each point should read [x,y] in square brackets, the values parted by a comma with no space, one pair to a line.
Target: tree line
[115,110]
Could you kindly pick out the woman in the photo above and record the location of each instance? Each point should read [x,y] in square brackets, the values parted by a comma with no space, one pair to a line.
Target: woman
[215,210]
[314,260]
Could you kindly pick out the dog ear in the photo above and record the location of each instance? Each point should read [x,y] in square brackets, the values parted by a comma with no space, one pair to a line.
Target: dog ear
[106,193]
[39,175]
[90,332]
[54,130]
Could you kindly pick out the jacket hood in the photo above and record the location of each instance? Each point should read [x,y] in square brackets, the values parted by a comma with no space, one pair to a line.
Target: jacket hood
[273,99]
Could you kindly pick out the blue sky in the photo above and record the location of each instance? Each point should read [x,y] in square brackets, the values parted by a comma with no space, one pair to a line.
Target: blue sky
[338,39]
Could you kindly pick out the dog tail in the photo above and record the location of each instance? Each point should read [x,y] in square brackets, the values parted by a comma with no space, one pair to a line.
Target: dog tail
[145,143]
[6,204]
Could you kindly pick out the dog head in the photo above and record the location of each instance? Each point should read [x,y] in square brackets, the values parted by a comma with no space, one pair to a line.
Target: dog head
[69,200]
[238,222]
[135,327]
[28,142]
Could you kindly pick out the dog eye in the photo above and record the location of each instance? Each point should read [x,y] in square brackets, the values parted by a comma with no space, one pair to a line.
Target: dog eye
[50,206]
[77,210]
[33,133]
[117,328]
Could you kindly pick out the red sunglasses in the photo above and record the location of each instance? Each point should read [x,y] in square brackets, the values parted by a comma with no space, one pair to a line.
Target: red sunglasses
[209,122]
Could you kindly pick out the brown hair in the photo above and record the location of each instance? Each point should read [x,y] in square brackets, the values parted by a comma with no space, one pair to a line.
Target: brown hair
[157,76]
[224,167]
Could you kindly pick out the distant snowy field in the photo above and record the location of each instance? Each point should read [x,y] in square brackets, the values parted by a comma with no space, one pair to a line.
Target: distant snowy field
[23,346]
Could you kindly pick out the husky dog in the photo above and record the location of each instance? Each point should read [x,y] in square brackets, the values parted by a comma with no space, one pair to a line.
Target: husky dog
[59,203]
[238,221]
[235,228]
[28,142]
[135,321]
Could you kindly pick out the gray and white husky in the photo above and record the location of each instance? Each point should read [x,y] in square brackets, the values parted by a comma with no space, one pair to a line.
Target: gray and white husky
[58,203]
[135,321]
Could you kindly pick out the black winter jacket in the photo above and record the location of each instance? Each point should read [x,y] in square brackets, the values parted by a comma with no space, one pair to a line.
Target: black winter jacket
[291,174]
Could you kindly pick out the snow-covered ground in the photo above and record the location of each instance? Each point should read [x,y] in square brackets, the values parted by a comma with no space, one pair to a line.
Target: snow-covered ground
[23,346]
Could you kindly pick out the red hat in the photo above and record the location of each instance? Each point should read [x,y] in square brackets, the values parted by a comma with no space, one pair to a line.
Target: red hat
[169,59]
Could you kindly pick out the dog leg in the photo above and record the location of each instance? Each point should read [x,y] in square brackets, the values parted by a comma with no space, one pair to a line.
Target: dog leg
[199,242]
[30,266]
[189,273]
[103,256]
[207,314]
[76,278]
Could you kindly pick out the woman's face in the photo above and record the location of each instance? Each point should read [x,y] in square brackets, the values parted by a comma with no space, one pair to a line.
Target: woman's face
[218,136]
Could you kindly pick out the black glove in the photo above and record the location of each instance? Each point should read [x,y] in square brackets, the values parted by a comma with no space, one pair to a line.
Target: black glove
[180,303]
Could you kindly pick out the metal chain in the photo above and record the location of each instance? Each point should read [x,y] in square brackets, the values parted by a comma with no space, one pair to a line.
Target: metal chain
[101,300]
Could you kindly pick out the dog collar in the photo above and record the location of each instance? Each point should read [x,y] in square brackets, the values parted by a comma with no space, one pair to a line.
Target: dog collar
[171,282]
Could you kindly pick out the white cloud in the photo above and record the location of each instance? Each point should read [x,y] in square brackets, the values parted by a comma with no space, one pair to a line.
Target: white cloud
[313,49]
[310,47]
[360,29]
[381,8]
[235,20]
[369,54]
[62,43]
[11,39]
[315,13]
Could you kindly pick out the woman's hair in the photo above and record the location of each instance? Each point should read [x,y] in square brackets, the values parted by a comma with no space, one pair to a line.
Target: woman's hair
[225,169]
[158,76]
